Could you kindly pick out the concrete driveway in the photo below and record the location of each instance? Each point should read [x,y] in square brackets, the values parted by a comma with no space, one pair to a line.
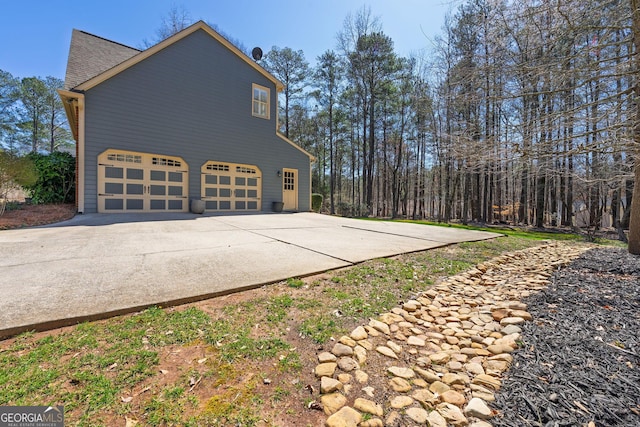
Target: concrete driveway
[94,266]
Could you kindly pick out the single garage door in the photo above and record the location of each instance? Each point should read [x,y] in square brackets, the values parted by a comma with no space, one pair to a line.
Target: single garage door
[231,186]
[141,182]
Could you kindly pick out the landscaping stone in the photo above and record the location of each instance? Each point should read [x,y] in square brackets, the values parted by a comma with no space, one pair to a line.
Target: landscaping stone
[436,420]
[373,422]
[394,419]
[439,387]
[440,358]
[359,334]
[369,391]
[452,414]
[401,372]
[368,406]
[397,348]
[332,402]
[477,408]
[380,326]
[340,350]
[415,341]
[361,376]
[400,402]
[360,355]
[325,369]
[399,385]
[347,341]
[347,364]
[345,417]
[425,396]
[329,385]
[386,351]
[345,378]
[453,397]
[449,344]
[418,415]
[326,357]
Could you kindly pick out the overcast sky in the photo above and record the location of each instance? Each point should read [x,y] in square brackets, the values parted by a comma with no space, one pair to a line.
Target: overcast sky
[35,34]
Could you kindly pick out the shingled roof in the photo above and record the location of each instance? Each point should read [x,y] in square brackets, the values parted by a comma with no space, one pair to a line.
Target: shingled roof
[91,55]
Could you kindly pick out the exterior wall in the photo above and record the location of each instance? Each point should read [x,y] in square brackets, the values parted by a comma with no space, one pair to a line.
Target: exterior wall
[192,99]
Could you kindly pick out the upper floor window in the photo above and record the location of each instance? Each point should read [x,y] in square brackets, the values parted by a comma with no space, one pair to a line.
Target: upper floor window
[260,101]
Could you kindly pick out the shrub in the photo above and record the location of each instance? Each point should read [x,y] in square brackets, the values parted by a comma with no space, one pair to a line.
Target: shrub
[56,178]
[316,201]
[15,172]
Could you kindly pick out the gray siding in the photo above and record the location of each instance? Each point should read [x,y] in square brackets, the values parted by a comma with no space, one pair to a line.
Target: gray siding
[193,99]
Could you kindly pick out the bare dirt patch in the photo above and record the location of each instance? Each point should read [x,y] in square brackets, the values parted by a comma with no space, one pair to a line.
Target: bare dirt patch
[31,215]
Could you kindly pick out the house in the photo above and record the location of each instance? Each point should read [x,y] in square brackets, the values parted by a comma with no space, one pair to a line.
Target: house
[191,118]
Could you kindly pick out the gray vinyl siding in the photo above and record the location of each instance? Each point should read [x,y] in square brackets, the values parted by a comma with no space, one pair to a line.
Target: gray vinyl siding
[193,99]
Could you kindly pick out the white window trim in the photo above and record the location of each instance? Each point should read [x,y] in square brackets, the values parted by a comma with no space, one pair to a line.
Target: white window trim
[255,86]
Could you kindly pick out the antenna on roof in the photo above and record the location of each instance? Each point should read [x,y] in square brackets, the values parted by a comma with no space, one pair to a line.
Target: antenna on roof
[256,53]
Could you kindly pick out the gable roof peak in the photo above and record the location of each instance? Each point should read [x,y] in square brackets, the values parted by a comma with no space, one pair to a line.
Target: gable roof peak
[129,56]
[91,55]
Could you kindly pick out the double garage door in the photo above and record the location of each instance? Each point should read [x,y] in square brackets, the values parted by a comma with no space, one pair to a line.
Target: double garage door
[142,182]
[145,182]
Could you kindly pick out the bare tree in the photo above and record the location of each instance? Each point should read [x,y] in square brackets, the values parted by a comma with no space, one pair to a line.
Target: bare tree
[177,19]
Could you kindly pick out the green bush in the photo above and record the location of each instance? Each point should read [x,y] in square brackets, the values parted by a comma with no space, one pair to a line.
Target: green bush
[316,202]
[56,178]
[15,172]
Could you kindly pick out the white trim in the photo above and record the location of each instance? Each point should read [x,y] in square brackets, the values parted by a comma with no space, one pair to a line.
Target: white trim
[310,186]
[81,153]
[70,100]
[255,86]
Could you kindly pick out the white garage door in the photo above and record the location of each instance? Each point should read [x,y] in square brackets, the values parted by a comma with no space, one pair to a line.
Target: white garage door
[231,186]
[141,182]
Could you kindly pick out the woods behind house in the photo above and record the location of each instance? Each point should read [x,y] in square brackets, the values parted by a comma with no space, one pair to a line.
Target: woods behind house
[521,111]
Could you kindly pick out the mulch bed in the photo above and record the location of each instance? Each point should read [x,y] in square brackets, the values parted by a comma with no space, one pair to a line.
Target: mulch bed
[579,363]
[32,215]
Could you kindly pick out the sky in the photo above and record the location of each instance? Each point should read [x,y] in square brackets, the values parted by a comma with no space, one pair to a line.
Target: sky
[35,34]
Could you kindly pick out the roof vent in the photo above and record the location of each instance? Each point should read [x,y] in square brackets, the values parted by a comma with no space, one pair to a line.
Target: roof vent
[256,53]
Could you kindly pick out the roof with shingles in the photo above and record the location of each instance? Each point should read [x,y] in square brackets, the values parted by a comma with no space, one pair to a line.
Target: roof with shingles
[91,55]
[93,59]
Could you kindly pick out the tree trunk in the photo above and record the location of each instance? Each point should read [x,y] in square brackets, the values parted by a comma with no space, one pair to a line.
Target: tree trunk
[634,220]
[466,196]
[541,182]
[370,154]
[332,168]
[634,224]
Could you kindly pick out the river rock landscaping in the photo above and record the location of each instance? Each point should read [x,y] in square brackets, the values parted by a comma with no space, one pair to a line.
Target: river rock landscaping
[472,351]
